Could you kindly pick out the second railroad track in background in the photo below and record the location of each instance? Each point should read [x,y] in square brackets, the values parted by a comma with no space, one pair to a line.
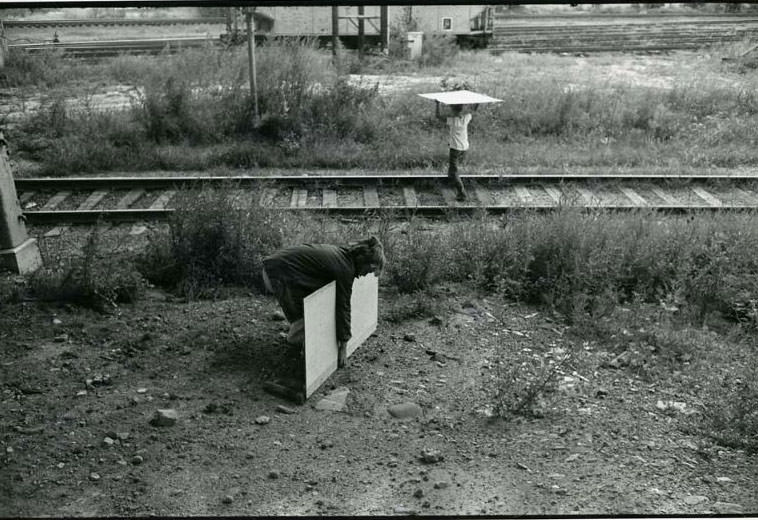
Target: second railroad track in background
[117,199]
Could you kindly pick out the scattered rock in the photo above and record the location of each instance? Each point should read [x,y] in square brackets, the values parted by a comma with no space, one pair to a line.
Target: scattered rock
[404,410]
[273,474]
[56,321]
[729,508]
[572,457]
[142,390]
[122,436]
[441,485]
[402,510]
[430,456]
[278,316]
[285,409]
[137,460]
[410,337]
[326,444]
[723,480]
[108,442]
[692,500]
[61,338]
[228,499]
[94,476]
[601,392]
[165,417]
[335,401]
[672,406]
[418,493]
[210,408]
[262,419]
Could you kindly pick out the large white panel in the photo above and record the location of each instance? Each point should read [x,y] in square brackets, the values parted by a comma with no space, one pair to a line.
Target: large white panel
[321,327]
[460,97]
[364,305]
[320,337]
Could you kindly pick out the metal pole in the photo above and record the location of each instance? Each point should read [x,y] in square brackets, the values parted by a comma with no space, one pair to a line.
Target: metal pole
[335,35]
[251,61]
[384,28]
[361,27]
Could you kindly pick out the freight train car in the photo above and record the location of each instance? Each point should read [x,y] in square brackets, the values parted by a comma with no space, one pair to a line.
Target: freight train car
[469,24]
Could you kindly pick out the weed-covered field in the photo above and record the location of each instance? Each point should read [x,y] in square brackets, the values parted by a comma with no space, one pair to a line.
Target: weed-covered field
[687,110]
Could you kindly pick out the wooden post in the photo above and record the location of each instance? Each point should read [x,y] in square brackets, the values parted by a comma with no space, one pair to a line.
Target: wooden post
[335,35]
[361,28]
[251,61]
[384,28]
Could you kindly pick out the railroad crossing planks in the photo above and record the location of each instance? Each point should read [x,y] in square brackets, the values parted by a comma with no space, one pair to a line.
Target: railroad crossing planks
[329,198]
[410,197]
[56,200]
[554,193]
[370,196]
[160,203]
[710,199]
[129,199]
[299,198]
[94,198]
[632,195]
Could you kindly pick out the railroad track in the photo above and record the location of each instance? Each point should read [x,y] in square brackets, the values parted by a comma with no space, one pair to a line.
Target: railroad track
[631,34]
[111,22]
[110,48]
[85,200]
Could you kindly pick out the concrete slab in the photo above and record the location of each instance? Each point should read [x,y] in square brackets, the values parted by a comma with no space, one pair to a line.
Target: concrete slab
[22,259]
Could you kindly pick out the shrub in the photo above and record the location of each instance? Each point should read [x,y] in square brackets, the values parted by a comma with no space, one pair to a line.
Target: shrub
[414,259]
[97,278]
[215,238]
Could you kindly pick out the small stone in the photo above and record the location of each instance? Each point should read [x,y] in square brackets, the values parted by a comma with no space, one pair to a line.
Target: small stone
[61,465]
[108,442]
[273,474]
[285,409]
[262,419]
[62,338]
[165,417]
[142,390]
[729,508]
[724,480]
[572,457]
[601,392]
[431,456]
[56,321]
[94,476]
[9,450]
[278,316]
[692,500]
[137,460]
[418,493]
[228,499]
[426,504]
[402,510]
[335,401]
[441,485]
[122,436]
[404,410]
[410,337]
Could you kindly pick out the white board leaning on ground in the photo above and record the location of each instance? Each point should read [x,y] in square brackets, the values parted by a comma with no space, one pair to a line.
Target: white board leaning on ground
[321,327]
[460,97]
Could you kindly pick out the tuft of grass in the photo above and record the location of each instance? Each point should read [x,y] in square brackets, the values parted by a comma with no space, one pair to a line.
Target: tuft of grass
[216,237]
[97,278]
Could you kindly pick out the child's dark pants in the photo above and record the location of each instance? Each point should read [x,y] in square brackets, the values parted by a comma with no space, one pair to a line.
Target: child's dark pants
[452,170]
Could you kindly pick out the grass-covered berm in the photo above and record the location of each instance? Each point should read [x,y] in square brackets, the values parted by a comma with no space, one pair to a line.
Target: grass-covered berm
[193,110]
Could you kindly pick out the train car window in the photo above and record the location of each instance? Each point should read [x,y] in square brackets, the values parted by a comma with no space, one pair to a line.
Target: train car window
[447,24]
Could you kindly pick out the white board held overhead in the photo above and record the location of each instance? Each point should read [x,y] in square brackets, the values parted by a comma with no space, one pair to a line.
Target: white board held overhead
[460,97]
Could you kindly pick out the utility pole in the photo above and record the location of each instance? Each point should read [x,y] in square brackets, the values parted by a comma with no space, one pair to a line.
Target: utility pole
[335,35]
[384,28]
[251,61]
[361,28]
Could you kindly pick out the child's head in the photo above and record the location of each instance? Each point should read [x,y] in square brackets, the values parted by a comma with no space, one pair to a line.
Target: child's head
[456,109]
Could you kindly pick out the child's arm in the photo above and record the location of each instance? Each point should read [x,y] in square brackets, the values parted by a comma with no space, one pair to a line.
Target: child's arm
[437,111]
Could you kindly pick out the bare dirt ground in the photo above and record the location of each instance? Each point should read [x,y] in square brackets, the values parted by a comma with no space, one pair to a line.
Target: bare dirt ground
[79,388]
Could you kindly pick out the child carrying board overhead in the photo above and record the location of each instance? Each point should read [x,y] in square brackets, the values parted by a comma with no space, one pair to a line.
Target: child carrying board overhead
[461,104]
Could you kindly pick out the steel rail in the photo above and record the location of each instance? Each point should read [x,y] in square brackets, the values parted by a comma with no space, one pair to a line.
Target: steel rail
[91,22]
[156,182]
[43,217]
